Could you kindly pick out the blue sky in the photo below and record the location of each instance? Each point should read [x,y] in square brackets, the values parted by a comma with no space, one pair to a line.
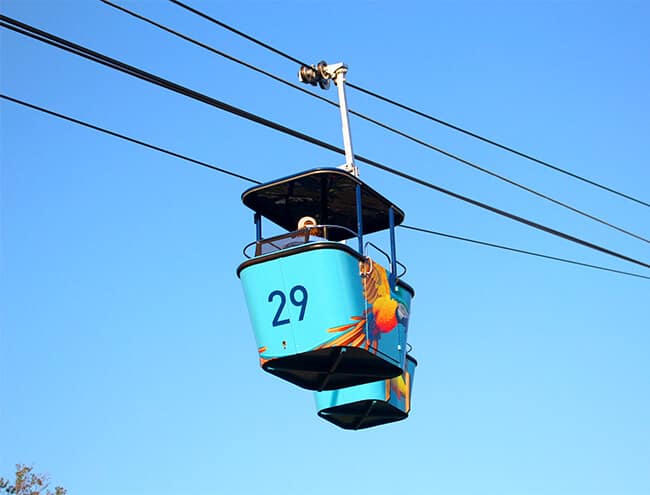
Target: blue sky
[127,361]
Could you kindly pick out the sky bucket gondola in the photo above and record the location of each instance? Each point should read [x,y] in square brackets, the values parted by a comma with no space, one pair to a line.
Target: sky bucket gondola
[372,404]
[324,315]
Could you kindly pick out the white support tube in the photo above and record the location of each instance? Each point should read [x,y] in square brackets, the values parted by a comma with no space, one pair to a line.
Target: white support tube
[339,80]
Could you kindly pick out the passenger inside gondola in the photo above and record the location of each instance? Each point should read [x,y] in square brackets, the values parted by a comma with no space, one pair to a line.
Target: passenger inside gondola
[308,230]
[314,233]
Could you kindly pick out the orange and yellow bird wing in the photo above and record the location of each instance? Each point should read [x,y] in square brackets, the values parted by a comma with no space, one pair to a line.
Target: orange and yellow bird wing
[375,282]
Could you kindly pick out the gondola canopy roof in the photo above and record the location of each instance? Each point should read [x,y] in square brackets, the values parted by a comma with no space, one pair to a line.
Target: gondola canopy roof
[328,195]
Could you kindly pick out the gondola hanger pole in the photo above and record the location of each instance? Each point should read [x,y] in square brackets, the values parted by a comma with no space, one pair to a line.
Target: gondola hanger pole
[339,80]
[321,74]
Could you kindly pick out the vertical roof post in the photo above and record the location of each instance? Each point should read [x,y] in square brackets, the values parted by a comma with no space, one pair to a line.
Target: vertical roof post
[257,218]
[359,218]
[393,255]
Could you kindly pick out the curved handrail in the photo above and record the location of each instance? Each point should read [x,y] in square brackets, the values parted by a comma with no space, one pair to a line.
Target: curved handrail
[400,275]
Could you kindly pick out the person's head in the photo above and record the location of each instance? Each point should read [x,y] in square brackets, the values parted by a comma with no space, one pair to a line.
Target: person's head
[306,222]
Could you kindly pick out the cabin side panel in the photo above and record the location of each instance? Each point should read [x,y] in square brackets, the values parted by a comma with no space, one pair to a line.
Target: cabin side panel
[303,302]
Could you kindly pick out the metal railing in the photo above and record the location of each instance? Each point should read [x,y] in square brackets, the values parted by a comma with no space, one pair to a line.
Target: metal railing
[401,265]
[314,233]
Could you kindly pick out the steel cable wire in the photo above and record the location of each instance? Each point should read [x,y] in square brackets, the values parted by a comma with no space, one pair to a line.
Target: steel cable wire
[61,43]
[248,179]
[373,121]
[415,111]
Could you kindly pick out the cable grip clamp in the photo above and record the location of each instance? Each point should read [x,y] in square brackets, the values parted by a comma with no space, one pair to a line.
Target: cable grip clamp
[315,75]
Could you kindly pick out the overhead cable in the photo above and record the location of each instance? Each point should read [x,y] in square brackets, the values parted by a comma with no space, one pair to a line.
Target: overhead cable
[501,146]
[217,51]
[248,179]
[130,139]
[417,112]
[69,46]
[373,121]
[521,251]
[239,33]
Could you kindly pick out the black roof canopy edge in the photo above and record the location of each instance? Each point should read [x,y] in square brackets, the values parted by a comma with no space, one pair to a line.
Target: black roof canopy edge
[324,193]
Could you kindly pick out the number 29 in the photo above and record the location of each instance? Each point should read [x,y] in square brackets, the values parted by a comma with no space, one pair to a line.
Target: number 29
[299,303]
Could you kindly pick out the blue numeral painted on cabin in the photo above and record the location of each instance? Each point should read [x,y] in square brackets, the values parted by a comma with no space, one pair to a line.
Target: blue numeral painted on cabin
[302,303]
[283,300]
[299,303]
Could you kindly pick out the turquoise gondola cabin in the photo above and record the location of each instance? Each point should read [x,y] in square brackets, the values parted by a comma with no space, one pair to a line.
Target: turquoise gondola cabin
[325,316]
[370,404]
